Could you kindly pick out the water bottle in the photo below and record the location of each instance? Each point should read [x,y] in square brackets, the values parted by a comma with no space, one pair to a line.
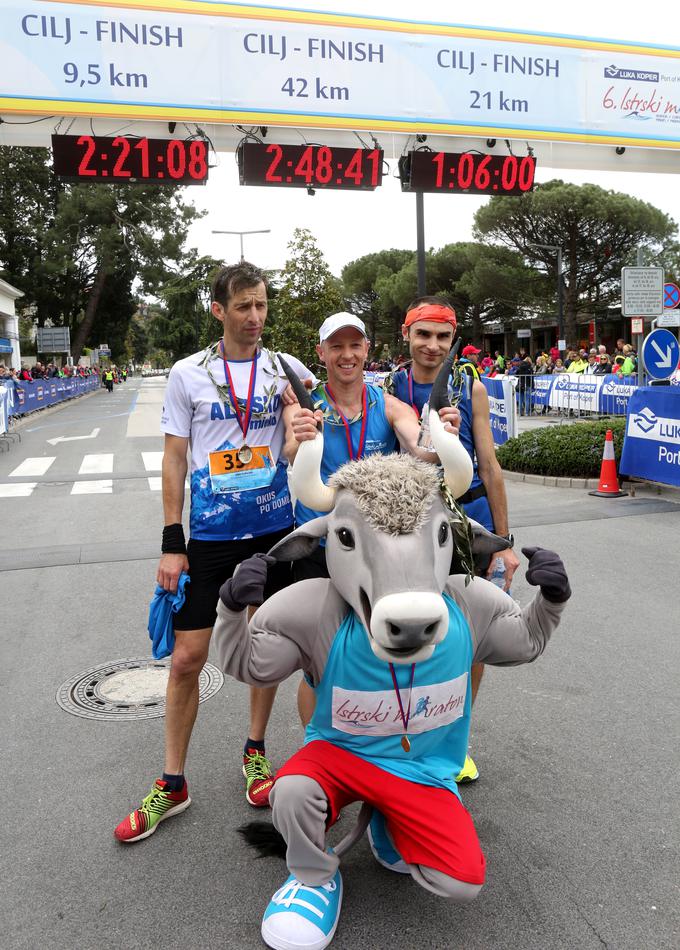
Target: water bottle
[497,576]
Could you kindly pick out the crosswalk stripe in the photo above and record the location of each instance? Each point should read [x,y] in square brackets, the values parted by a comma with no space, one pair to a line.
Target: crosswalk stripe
[152,461]
[96,464]
[103,486]
[21,490]
[33,466]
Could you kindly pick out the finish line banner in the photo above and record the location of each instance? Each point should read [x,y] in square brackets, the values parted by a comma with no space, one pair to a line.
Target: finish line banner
[259,65]
[651,447]
[502,411]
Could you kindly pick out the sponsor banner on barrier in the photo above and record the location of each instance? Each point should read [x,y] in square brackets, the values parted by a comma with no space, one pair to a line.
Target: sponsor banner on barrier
[40,393]
[603,394]
[651,447]
[372,378]
[542,388]
[4,408]
[576,391]
[502,412]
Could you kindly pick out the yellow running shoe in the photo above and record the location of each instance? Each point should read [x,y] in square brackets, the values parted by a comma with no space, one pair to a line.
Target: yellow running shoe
[469,772]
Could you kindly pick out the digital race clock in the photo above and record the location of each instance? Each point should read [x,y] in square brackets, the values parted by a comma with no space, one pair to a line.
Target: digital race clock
[451,172]
[305,166]
[85,158]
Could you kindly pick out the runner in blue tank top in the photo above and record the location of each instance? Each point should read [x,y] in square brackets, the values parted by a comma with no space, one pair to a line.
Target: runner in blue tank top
[430,327]
[358,420]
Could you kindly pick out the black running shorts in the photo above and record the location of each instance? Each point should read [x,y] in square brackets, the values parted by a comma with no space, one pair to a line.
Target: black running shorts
[211,563]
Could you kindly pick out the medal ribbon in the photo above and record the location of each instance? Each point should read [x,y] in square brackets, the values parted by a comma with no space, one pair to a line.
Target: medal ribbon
[404,717]
[348,434]
[409,377]
[243,421]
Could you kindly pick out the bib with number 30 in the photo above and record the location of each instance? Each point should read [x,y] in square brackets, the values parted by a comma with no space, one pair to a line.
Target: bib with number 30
[228,473]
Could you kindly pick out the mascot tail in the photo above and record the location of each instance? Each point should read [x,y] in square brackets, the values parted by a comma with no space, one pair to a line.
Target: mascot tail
[266,840]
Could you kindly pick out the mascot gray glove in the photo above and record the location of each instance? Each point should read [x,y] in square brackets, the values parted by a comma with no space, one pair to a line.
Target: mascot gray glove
[246,587]
[546,571]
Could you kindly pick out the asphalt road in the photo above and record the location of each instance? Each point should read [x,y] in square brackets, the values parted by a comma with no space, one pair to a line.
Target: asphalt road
[576,806]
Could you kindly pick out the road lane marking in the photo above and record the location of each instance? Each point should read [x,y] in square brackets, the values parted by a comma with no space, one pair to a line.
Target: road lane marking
[152,461]
[74,438]
[155,482]
[33,466]
[17,491]
[103,486]
[95,464]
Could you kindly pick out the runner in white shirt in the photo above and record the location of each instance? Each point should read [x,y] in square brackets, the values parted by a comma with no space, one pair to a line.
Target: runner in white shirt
[226,404]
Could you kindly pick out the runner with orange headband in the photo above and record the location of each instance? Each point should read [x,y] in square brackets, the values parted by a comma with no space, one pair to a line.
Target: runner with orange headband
[429,328]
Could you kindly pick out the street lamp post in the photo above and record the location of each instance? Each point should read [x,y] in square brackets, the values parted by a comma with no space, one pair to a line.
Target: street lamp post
[241,233]
[560,306]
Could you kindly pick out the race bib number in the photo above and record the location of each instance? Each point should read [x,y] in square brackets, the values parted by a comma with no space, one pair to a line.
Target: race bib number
[229,473]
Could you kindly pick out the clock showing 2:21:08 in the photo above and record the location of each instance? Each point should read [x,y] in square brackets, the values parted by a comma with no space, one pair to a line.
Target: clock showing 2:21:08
[119,159]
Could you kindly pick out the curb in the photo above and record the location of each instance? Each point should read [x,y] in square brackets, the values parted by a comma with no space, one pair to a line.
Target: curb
[553,481]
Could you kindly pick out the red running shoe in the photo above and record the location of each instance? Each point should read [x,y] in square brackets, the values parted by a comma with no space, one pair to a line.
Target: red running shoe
[155,808]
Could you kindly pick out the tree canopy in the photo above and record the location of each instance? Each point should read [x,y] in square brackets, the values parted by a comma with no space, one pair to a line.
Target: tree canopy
[305,293]
[77,251]
[599,232]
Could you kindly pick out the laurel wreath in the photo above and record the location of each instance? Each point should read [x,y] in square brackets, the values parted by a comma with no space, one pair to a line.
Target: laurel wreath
[212,353]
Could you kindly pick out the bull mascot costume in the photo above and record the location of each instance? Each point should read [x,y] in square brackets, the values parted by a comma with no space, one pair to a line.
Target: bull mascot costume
[387,644]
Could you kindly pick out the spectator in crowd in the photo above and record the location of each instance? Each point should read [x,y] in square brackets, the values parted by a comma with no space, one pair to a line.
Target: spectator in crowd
[5,374]
[487,366]
[592,363]
[25,374]
[469,360]
[500,361]
[602,349]
[579,363]
[604,367]
[626,366]
[554,354]
[524,374]
[559,366]
[544,366]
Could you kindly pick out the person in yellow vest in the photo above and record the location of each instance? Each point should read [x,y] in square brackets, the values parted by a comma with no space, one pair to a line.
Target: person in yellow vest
[108,379]
[468,363]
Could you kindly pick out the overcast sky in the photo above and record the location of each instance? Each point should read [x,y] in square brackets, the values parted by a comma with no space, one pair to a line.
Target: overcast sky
[349,225]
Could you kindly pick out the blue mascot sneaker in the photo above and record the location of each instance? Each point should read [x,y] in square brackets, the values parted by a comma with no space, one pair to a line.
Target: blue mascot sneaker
[302,917]
[383,850]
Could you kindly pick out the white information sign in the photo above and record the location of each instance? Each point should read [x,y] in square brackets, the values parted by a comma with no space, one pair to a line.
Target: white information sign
[671,318]
[642,291]
[637,326]
[179,60]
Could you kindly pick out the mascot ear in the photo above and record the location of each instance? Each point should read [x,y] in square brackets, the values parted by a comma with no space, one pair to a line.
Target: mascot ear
[301,542]
[484,546]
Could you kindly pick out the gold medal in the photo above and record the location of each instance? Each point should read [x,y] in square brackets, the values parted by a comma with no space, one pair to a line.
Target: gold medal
[245,454]
[405,744]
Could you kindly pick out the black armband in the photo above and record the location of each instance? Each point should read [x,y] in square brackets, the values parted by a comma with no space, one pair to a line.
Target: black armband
[173,540]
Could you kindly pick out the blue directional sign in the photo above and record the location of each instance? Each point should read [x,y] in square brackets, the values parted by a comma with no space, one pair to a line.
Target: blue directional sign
[660,353]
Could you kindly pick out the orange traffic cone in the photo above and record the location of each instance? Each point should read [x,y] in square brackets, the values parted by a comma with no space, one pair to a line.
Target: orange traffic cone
[609,483]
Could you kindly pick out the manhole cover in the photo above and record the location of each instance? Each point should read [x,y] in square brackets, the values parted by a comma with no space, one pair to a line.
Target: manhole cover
[128,689]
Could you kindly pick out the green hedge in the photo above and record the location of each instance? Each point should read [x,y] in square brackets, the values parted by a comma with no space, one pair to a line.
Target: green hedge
[569,451]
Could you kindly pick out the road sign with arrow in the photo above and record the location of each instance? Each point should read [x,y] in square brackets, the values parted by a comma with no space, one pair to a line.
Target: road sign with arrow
[660,354]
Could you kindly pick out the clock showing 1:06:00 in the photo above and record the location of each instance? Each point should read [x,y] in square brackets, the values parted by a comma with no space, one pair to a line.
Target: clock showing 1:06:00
[475,172]
[97,158]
